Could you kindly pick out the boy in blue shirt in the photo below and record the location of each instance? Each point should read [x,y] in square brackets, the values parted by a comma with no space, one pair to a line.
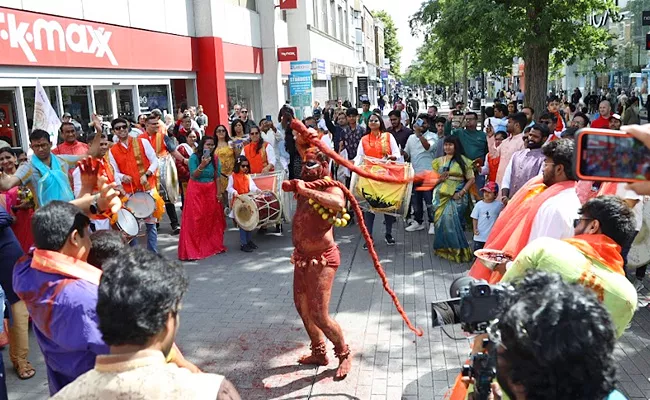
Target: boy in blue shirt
[485,214]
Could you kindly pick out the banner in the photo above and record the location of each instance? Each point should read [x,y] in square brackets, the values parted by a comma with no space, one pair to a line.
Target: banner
[300,86]
[44,115]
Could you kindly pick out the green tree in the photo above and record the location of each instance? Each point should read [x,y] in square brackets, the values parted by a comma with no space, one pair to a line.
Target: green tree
[495,31]
[392,48]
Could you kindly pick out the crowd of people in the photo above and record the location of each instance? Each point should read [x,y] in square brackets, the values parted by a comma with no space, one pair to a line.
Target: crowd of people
[510,185]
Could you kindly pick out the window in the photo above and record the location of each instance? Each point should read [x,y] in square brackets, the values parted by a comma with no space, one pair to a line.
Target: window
[250,4]
[246,93]
[332,20]
[75,102]
[153,97]
[323,15]
[346,23]
[340,24]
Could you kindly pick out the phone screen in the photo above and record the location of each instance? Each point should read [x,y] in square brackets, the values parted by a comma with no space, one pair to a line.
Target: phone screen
[419,122]
[613,156]
[206,153]
[268,118]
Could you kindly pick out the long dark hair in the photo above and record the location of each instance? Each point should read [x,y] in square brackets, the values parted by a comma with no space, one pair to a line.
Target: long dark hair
[459,152]
[238,162]
[199,149]
[234,123]
[382,126]
[260,143]
[216,138]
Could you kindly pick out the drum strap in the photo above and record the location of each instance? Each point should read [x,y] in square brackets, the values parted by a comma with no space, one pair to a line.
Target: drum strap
[137,151]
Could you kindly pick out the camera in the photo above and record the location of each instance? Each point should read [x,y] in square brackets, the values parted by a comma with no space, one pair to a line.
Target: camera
[473,305]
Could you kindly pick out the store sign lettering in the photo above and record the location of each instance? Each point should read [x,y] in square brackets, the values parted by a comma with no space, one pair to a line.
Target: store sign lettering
[78,38]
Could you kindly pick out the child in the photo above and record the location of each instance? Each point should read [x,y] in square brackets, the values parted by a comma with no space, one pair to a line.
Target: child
[240,182]
[485,213]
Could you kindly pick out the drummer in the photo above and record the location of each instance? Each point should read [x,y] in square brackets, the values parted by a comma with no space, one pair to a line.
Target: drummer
[100,221]
[260,154]
[135,164]
[163,145]
[240,182]
[380,144]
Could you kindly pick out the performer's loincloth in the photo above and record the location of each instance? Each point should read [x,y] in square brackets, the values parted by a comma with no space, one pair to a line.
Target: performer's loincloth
[328,258]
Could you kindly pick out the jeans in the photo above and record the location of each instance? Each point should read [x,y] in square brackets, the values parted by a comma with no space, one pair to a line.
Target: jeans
[3,380]
[478,245]
[370,222]
[480,182]
[625,250]
[245,237]
[152,238]
[173,218]
[417,199]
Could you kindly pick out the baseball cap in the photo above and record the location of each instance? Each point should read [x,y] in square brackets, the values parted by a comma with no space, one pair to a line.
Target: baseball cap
[615,116]
[491,187]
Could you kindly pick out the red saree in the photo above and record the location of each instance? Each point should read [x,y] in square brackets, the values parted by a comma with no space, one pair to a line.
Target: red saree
[203,222]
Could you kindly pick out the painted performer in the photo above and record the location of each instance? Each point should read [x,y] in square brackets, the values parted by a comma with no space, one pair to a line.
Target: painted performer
[321,205]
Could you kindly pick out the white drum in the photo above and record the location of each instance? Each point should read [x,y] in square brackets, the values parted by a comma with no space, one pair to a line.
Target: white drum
[640,252]
[168,178]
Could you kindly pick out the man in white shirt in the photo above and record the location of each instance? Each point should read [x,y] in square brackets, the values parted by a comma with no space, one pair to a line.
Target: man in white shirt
[420,149]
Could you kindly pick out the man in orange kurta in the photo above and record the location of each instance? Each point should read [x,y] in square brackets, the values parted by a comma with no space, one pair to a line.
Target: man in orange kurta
[70,146]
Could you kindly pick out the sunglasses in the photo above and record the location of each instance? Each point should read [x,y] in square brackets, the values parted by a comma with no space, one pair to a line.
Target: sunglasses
[245,166]
[119,127]
[244,111]
[576,222]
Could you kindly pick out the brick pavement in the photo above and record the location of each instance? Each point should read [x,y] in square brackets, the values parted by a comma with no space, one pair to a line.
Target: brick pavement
[238,319]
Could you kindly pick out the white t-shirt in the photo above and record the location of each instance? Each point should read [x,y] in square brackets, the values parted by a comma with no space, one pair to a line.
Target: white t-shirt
[637,210]
[555,217]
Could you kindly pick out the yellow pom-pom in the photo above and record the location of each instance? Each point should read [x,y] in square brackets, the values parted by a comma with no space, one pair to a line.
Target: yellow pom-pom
[331,211]
[344,222]
[311,201]
[316,206]
[346,217]
[321,211]
[338,221]
[337,224]
[325,216]
[327,178]
[331,220]
[344,210]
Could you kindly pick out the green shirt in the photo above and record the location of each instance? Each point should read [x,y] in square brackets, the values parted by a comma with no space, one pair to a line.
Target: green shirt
[208,172]
[552,255]
[474,143]
[364,117]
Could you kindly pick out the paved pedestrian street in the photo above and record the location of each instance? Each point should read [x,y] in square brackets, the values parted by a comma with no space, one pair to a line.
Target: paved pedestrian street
[238,319]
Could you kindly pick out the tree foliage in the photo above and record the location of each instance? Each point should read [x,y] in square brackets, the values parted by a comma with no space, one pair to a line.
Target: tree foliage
[392,48]
[492,32]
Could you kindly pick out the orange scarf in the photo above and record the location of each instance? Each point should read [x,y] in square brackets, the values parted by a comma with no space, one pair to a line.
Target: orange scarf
[52,262]
[512,229]
[600,248]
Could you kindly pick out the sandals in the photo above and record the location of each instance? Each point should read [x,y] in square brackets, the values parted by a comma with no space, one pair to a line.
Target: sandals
[24,369]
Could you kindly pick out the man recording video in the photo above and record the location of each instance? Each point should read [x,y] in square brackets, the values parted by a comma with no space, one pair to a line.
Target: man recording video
[552,340]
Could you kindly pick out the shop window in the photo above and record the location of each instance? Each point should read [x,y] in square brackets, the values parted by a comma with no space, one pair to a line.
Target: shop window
[246,94]
[8,118]
[103,104]
[75,102]
[29,94]
[152,97]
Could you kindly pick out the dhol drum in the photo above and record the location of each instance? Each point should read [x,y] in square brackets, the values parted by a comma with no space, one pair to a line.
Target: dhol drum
[380,197]
[127,223]
[272,182]
[168,179]
[257,210]
[141,204]
[640,252]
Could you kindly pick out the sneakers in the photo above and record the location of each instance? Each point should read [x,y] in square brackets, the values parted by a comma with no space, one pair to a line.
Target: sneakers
[246,248]
[176,230]
[415,226]
[432,228]
[365,245]
[389,240]
[252,245]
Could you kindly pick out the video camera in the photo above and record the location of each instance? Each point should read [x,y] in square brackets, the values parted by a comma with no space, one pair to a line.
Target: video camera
[474,304]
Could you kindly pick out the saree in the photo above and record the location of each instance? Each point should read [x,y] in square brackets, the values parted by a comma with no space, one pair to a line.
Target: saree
[22,226]
[450,241]
[226,156]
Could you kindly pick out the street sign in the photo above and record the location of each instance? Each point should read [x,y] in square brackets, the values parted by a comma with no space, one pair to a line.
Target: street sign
[288,4]
[646,18]
[287,54]
[300,86]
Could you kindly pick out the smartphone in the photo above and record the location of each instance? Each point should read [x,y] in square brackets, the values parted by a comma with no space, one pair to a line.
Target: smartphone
[419,122]
[268,118]
[610,156]
[206,153]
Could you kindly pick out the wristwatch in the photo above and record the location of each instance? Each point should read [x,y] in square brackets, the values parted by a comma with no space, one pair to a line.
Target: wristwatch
[94,207]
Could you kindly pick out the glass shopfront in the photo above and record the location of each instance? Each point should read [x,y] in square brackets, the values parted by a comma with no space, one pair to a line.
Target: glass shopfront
[152,97]
[9,118]
[29,94]
[246,93]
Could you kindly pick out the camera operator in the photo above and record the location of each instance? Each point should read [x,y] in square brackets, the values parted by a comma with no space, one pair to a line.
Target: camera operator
[592,257]
[537,357]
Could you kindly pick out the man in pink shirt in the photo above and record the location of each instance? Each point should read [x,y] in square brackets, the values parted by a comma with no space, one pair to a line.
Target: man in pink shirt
[516,124]
[70,146]
[605,111]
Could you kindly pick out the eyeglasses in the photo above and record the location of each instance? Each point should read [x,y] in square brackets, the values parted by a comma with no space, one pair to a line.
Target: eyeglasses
[221,130]
[576,222]
[245,166]
[244,111]
[119,127]
[40,146]
[254,133]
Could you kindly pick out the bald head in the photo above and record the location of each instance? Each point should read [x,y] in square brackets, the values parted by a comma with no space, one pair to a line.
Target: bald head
[605,109]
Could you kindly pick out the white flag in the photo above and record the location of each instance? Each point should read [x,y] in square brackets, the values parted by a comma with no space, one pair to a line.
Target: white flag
[44,115]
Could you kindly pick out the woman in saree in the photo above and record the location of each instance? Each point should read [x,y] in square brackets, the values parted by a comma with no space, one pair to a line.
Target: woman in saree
[451,200]
[239,136]
[226,155]
[18,201]
[204,221]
